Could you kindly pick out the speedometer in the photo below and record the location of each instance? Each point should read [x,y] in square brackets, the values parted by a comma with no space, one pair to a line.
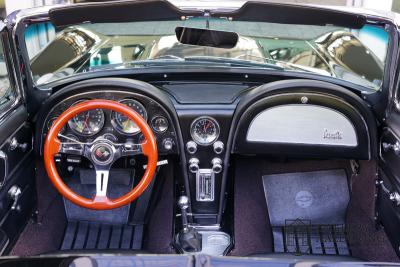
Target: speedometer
[87,123]
[122,123]
[204,130]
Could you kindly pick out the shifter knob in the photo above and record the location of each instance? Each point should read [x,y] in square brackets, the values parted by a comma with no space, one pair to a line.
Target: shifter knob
[183,202]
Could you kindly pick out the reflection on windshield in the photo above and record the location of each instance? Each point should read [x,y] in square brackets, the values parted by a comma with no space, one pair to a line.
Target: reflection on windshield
[357,56]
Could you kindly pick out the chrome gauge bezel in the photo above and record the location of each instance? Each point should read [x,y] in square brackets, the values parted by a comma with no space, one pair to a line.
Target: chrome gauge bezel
[50,122]
[196,138]
[116,124]
[154,127]
[72,121]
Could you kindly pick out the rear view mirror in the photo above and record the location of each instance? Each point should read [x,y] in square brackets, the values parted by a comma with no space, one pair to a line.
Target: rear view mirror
[205,37]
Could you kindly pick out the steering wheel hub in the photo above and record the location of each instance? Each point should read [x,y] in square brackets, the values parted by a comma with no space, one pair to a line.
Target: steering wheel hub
[103,153]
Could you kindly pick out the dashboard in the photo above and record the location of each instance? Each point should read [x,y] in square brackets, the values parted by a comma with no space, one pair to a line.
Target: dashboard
[205,130]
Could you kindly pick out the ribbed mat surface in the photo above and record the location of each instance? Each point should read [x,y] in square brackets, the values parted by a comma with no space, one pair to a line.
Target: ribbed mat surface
[299,238]
[84,235]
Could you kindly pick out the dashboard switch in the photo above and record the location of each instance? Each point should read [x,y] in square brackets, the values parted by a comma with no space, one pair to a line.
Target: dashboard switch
[216,165]
[191,147]
[218,147]
[168,144]
[194,165]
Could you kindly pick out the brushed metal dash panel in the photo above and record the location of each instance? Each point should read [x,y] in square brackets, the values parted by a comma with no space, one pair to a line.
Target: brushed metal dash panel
[302,124]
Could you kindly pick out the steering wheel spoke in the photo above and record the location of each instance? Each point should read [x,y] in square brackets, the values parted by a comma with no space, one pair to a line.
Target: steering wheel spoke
[72,147]
[130,149]
[101,183]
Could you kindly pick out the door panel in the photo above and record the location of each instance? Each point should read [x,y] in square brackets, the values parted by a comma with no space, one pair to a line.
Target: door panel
[16,156]
[388,203]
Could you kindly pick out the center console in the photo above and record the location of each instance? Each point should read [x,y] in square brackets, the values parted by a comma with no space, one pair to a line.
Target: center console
[205,135]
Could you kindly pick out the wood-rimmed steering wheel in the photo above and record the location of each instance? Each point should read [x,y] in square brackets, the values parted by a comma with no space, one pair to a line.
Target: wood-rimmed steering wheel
[102,153]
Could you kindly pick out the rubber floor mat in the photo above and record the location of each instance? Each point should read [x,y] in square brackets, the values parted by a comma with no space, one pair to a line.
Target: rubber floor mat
[307,211]
[82,235]
[299,238]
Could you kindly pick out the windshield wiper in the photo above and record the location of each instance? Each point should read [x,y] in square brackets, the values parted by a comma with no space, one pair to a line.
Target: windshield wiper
[168,60]
[287,64]
[145,62]
[234,62]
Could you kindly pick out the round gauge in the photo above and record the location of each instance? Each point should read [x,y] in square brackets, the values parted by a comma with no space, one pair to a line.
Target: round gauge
[87,123]
[50,123]
[159,124]
[122,123]
[204,130]
[110,137]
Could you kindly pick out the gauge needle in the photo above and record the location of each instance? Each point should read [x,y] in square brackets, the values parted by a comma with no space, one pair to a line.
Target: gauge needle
[86,121]
[206,126]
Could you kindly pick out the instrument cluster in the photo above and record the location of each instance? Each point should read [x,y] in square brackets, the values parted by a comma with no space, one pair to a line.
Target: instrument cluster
[116,127]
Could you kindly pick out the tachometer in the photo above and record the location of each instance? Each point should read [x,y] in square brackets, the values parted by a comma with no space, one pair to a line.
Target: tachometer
[204,130]
[121,122]
[87,123]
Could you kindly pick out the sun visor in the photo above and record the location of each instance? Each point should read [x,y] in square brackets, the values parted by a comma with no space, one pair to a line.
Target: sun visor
[117,11]
[293,14]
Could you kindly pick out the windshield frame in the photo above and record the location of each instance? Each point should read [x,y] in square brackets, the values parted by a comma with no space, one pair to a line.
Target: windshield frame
[386,23]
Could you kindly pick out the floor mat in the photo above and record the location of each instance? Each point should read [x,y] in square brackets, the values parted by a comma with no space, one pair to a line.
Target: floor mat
[85,235]
[307,211]
[120,184]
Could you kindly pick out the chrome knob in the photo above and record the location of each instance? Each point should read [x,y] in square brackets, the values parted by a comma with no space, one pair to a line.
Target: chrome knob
[218,147]
[191,147]
[216,165]
[168,144]
[194,165]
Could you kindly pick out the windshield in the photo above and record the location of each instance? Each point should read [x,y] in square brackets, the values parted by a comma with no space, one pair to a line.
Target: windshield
[357,56]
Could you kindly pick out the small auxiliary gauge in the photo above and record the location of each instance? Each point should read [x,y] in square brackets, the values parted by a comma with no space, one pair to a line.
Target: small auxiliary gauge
[159,124]
[204,130]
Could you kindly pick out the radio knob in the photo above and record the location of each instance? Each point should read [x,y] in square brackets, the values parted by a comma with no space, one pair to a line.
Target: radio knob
[194,165]
[218,147]
[191,147]
[216,165]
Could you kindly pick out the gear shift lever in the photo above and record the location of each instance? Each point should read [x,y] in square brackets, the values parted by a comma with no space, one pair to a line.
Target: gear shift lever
[183,204]
[189,239]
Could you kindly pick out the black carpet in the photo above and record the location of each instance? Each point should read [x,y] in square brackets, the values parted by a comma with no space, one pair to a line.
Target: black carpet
[159,228]
[43,236]
[252,229]
[365,239]
[47,235]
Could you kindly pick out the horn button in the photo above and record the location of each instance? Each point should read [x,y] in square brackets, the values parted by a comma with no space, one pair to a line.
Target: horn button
[103,153]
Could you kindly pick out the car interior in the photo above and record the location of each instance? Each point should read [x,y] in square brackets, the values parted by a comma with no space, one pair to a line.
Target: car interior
[243,163]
